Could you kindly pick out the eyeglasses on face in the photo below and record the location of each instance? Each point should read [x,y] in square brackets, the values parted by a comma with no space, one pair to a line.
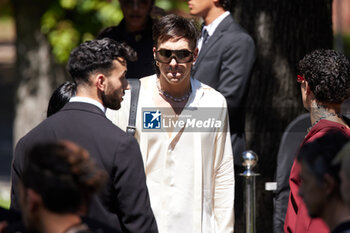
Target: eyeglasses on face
[181,56]
[300,79]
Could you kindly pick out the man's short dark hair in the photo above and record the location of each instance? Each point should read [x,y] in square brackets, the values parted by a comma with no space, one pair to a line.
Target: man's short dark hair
[175,26]
[328,75]
[319,154]
[96,56]
[62,174]
[226,4]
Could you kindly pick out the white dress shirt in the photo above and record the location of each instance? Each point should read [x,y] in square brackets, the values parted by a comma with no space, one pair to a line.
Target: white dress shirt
[211,28]
[190,175]
[89,101]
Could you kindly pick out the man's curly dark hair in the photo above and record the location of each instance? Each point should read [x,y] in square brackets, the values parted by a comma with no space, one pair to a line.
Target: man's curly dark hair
[328,75]
[97,56]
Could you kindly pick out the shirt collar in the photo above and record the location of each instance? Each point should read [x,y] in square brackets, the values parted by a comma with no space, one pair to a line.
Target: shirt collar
[211,27]
[89,101]
[196,95]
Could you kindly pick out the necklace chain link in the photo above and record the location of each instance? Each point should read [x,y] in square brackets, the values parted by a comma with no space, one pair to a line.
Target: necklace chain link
[175,99]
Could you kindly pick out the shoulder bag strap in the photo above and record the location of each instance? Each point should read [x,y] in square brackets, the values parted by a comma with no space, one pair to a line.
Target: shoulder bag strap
[135,90]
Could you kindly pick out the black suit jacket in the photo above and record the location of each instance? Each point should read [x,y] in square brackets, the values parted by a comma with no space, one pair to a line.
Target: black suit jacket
[141,42]
[124,204]
[225,63]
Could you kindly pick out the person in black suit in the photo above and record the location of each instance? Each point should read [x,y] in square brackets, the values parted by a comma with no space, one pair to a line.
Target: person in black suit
[225,60]
[98,67]
[136,30]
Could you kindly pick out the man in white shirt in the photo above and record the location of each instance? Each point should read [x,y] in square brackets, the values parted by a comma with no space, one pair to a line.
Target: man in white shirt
[183,130]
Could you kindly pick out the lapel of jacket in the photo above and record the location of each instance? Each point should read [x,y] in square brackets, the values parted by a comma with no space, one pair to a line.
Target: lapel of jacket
[219,31]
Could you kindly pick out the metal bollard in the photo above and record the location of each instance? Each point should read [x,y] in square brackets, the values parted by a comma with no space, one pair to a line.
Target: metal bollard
[250,159]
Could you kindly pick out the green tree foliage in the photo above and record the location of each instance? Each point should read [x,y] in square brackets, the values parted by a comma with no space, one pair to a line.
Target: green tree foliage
[168,5]
[67,23]
[5,10]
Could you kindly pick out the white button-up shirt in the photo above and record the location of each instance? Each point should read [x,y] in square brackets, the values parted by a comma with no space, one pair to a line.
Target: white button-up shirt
[190,175]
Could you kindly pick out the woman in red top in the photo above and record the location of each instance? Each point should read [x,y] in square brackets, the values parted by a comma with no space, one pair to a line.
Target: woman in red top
[325,84]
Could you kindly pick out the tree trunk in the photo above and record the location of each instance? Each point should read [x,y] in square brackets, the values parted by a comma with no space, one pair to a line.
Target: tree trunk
[284,31]
[36,72]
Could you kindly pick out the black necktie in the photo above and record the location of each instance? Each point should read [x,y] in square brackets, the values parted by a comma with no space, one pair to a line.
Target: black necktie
[205,36]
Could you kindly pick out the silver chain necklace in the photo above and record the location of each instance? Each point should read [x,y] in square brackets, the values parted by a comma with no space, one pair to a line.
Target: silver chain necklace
[175,99]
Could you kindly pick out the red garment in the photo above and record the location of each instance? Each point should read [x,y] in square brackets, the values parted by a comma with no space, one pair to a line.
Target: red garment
[297,217]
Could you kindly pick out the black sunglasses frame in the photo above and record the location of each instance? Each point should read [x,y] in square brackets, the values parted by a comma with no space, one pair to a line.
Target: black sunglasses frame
[173,54]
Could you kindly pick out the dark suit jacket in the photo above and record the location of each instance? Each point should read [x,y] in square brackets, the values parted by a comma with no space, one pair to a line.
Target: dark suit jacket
[125,202]
[225,63]
[141,42]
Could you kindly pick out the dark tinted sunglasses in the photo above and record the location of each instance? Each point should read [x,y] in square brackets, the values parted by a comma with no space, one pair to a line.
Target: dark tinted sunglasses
[181,56]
